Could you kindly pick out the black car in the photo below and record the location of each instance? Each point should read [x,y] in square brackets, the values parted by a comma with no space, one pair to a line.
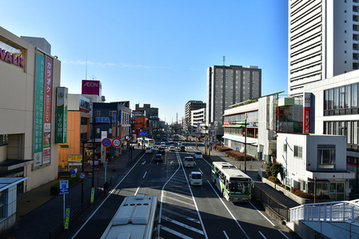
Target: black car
[182,148]
[158,158]
[161,150]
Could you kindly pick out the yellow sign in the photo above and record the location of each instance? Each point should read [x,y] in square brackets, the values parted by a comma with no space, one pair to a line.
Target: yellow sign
[74,157]
[92,199]
[67,219]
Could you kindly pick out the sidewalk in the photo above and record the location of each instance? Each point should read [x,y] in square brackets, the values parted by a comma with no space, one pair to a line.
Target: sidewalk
[39,213]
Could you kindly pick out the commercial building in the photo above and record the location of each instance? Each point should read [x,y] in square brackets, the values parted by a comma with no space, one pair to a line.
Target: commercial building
[30,76]
[228,85]
[323,41]
[151,113]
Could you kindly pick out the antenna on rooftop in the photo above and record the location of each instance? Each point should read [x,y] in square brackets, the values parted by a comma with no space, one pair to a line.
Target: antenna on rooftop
[224,60]
[86,69]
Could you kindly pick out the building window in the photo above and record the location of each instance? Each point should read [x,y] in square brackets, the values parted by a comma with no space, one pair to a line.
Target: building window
[110,131]
[4,139]
[326,156]
[284,147]
[3,204]
[297,151]
[97,130]
[98,113]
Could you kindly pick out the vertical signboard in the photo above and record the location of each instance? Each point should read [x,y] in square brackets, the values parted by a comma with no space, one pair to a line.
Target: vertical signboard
[114,118]
[306,113]
[39,108]
[61,114]
[47,111]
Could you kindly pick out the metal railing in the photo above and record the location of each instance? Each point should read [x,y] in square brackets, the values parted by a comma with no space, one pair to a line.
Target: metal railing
[276,207]
[341,211]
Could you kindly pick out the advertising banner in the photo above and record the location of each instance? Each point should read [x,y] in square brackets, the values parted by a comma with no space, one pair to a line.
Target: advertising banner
[47,110]
[91,87]
[39,108]
[306,113]
[61,114]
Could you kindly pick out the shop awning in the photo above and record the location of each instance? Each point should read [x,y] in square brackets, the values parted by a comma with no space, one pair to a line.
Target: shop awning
[241,139]
[11,164]
[7,182]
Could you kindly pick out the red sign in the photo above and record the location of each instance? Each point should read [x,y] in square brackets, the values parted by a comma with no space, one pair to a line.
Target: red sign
[306,113]
[11,58]
[226,122]
[91,87]
[106,142]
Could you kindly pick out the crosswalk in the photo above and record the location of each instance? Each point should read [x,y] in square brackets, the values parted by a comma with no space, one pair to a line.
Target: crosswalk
[179,215]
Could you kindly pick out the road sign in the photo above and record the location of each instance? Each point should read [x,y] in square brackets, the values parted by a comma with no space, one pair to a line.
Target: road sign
[73,173]
[106,142]
[116,142]
[142,134]
[64,186]
[82,175]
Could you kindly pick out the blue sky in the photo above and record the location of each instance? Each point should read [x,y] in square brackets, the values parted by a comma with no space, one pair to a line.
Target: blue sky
[156,52]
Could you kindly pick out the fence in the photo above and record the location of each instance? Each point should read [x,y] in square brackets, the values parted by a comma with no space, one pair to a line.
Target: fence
[276,207]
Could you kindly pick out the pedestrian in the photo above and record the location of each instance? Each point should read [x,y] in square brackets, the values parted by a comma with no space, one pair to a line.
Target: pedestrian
[105,188]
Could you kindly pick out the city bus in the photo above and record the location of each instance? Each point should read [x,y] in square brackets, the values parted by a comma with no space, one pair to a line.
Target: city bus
[135,218]
[147,141]
[235,185]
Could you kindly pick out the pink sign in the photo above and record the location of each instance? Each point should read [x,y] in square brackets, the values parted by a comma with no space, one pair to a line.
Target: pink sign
[47,110]
[91,87]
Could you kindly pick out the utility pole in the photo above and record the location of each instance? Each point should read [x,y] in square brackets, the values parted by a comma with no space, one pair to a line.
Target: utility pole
[245,143]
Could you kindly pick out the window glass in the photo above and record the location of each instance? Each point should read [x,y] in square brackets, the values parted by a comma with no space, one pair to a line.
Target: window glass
[326,156]
[297,151]
[330,97]
[354,95]
[336,98]
[347,99]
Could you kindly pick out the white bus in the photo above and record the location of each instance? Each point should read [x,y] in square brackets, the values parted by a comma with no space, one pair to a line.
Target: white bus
[235,185]
[147,141]
[135,218]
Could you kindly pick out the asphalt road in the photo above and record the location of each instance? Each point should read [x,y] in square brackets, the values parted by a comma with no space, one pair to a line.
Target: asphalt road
[185,211]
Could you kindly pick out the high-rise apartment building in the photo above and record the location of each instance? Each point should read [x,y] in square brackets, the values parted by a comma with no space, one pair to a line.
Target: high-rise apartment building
[227,85]
[323,40]
[188,108]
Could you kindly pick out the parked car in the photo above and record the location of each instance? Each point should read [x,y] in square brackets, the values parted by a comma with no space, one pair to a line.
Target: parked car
[197,154]
[161,150]
[182,148]
[188,162]
[172,148]
[163,144]
[195,178]
[148,150]
[158,158]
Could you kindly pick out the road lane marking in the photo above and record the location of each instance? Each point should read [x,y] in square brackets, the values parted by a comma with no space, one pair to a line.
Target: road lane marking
[200,170]
[225,234]
[283,234]
[262,215]
[83,225]
[262,234]
[183,225]
[182,215]
[178,195]
[144,175]
[137,190]
[143,163]
[230,213]
[178,200]
[180,235]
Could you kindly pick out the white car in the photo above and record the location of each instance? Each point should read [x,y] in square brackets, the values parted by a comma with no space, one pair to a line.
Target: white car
[172,148]
[148,150]
[188,162]
[197,154]
[195,178]
[163,144]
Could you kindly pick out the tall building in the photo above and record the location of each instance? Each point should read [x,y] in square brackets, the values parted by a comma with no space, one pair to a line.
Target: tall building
[323,41]
[227,85]
[188,108]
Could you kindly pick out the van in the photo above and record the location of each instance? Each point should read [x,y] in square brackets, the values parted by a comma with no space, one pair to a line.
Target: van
[195,178]
[188,162]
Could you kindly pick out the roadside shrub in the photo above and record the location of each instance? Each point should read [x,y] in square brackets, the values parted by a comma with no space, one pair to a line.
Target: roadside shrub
[273,179]
[236,155]
[268,171]
[221,149]
[275,169]
[294,189]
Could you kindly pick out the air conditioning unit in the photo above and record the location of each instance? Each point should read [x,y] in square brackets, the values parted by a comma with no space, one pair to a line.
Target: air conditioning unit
[103,98]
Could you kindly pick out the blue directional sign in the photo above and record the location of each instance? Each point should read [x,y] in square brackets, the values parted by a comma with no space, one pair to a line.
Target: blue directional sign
[64,186]
[142,134]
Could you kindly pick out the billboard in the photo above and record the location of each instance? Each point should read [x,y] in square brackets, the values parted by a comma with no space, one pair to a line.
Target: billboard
[306,113]
[91,87]
[47,110]
[61,114]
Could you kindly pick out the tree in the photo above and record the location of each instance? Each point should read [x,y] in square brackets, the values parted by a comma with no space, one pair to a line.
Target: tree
[268,169]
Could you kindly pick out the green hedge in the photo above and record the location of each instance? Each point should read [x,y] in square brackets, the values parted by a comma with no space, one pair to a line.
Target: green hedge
[55,190]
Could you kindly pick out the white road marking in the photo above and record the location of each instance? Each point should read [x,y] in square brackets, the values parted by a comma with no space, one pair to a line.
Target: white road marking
[262,234]
[182,215]
[143,163]
[262,214]
[137,190]
[180,235]
[228,210]
[200,170]
[144,175]
[183,225]
[225,234]
[283,234]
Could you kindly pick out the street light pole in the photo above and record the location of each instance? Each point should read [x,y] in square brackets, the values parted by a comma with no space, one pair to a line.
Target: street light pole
[245,143]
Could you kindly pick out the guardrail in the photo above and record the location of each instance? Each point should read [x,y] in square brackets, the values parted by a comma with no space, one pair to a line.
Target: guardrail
[330,211]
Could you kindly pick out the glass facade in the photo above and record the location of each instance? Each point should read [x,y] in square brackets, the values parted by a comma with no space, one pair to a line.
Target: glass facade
[341,100]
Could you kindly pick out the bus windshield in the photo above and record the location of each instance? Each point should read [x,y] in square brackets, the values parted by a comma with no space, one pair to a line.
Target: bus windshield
[240,187]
